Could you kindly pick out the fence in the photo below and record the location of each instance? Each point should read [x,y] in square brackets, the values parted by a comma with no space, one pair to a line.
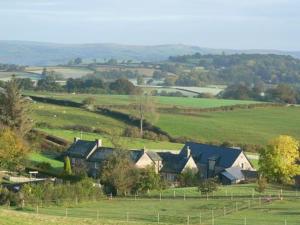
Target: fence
[227,212]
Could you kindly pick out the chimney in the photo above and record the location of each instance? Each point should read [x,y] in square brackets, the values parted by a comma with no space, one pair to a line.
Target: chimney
[76,139]
[188,151]
[99,142]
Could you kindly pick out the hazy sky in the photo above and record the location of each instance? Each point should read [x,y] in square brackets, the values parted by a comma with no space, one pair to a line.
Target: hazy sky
[237,24]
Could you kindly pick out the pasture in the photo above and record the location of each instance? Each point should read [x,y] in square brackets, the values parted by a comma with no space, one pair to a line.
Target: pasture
[7,75]
[239,126]
[254,126]
[227,206]
[66,72]
[162,101]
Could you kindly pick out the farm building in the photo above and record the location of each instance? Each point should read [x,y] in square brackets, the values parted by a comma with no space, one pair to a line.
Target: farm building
[229,164]
[92,154]
[226,163]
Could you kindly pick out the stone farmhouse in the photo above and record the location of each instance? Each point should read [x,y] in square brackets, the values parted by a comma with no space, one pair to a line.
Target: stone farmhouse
[231,165]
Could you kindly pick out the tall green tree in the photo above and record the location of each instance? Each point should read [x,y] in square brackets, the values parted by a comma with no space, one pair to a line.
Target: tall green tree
[119,174]
[67,166]
[278,160]
[14,109]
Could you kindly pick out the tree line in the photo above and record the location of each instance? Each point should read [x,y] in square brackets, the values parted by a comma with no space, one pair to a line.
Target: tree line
[89,84]
[228,69]
[281,93]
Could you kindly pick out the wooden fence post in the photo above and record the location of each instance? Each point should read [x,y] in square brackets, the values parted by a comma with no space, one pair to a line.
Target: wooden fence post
[212,217]
[245,221]
[66,212]
[200,218]
[188,220]
[37,209]
[97,214]
[158,218]
[127,217]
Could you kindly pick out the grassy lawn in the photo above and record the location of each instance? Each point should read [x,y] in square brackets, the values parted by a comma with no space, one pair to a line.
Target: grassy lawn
[131,143]
[255,126]
[39,157]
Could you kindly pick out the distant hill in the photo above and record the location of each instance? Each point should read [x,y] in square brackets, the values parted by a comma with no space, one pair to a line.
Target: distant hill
[37,53]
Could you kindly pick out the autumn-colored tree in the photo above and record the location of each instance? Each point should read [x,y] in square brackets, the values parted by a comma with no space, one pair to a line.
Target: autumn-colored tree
[12,149]
[278,160]
[14,108]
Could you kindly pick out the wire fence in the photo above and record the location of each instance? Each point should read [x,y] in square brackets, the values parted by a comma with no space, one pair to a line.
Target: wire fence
[226,213]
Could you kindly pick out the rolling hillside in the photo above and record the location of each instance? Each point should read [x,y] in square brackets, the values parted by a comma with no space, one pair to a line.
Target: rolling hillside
[36,53]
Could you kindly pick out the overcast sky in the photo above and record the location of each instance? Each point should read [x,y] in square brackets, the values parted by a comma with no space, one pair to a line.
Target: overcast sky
[235,24]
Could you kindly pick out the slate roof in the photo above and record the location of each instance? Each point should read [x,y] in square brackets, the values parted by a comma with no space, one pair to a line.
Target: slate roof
[154,156]
[81,148]
[224,156]
[103,153]
[172,163]
[233,173]
[100,154]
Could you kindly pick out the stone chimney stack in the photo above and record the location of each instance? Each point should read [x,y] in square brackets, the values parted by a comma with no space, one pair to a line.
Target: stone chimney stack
[99,142]
[76,139]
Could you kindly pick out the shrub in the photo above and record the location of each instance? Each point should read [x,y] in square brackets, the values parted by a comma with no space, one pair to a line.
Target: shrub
[261,184]
[44,166]
[132,132]
[208,185]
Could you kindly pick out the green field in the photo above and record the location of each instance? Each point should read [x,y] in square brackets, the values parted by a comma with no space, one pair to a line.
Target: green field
[230,205]
[255,126]
[66,72]
[7,75]
[59,116]
[161,100]
[240,126]
[130,143]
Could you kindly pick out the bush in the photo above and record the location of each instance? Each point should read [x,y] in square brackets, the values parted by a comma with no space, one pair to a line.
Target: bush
[132,132]
[79,128]
[150,135]
[49,192]
[208,185]
[189,178]
[261,184]
[44,166]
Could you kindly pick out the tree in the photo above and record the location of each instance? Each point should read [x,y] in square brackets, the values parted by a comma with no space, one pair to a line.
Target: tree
[67,166]
[261,184]
[278,160]
[14,109]
[144,108]
[119,174]
[189,178]
[140,80]
[123,86]
[208,185]
[89,103]
[77,61]
[12,149]
[148,180]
